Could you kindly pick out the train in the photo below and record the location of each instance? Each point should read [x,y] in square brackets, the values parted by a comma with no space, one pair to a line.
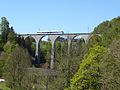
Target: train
[52,32]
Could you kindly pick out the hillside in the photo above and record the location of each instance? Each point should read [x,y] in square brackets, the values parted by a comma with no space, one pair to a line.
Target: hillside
[89,66]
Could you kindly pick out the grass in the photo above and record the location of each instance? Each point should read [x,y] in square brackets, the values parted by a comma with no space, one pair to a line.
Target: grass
[4,87]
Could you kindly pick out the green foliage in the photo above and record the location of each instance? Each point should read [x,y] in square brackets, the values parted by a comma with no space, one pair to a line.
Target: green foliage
[110,31]
[4,28]
[7,33]
[30,45]
[94,40]
[88,73]
[103,27]
[4,24]
[8,47]
[3,86]
[66,65]
[45,49]
[110,68]
[93,71]
[1,44]
[16,72]
[11,36]
[3,58]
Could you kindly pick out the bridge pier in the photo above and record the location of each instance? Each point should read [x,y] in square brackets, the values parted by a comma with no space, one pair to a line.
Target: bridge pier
[53,40]
[37,50]
[70,38]
[52,63]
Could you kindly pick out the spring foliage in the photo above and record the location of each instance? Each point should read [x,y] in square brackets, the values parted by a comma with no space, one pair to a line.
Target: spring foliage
[88,74]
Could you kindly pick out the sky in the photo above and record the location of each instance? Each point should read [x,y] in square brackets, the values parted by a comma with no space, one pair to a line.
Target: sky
[70,16]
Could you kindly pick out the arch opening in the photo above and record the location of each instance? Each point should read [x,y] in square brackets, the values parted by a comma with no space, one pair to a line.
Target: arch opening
[45,52]
[30,45]
[61,52]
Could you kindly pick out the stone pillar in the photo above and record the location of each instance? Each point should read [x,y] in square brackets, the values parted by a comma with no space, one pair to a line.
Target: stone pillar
[37,51]
[86,38]
[70,38]
[24,37]
[53,39]
[52,56]
[68,63]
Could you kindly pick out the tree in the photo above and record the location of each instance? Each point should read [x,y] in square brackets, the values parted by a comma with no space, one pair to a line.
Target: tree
[1,45]
[94,40]
[109,30]
[45,48]
[3,59]
[28,43]
[9,47]
[88,74]
[12,36]
[66,65]
[4,28]
[103,27]
[110,67]
[16,69]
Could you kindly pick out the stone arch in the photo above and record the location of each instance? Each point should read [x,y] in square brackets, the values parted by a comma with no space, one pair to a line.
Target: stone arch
[60,48]
[29,40]
[70,38]
[78,37]
[29,44]
[37,39]
[95,37]
[76,45]
[26,36]
[85,38]
[53,40]
[45,52]
[37,51]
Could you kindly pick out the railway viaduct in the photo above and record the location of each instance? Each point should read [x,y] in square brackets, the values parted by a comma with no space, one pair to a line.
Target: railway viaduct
[52,37]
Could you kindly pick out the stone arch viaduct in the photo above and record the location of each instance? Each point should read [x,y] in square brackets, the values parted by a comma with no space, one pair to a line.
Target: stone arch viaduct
[53,37]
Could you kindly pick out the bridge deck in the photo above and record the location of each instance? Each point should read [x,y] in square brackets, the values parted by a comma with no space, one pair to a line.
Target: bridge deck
[57,34]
